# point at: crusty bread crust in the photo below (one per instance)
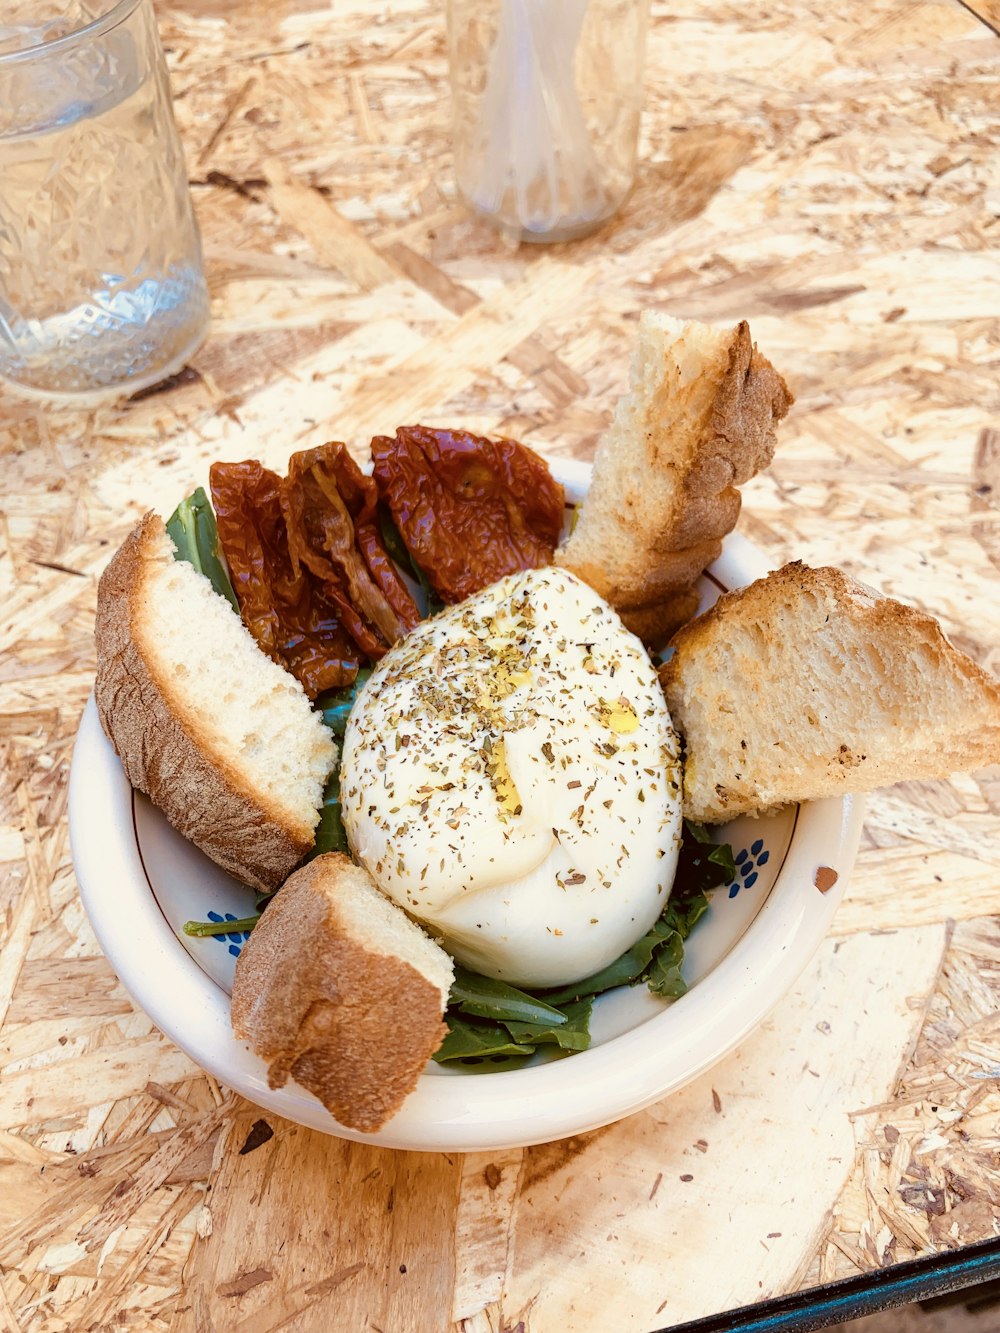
(656, 624)
(160, 747)
(808, 684)
(351, 1023)
(663, 493)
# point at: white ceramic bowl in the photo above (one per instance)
(140, 881)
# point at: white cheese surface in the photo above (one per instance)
(510, 776)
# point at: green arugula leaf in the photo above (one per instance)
(664, 976)
(208, 928)
(485, 997)
(336, 705)
(479, 1042)
(703, 864)
(330, 833)
(193, 530)
(683, 912)
(398, 551)
(573, 1034)
(628, 967)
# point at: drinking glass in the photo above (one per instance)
(546, 101)
(101, 281)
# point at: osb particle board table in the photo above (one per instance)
(829, 173)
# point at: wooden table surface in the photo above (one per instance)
(828, 172)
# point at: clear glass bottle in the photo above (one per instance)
(546, 101)
(101, 281)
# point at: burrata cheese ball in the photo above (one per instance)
(511, 778)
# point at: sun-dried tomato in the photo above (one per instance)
(284, 609)
(470, 510)
(330, 512)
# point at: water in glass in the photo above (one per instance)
(101, 279)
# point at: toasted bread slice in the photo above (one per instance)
(338, 989)
(697, 422)
(655, 624)
(808, 684)
(221, 738)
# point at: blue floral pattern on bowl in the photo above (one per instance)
(749, 861)
(235, 939)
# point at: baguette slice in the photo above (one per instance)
(697, 422)
(808, 684)
(338, 989)
(221, 738)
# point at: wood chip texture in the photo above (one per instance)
(827, 173)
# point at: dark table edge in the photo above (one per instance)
(850, 1298)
